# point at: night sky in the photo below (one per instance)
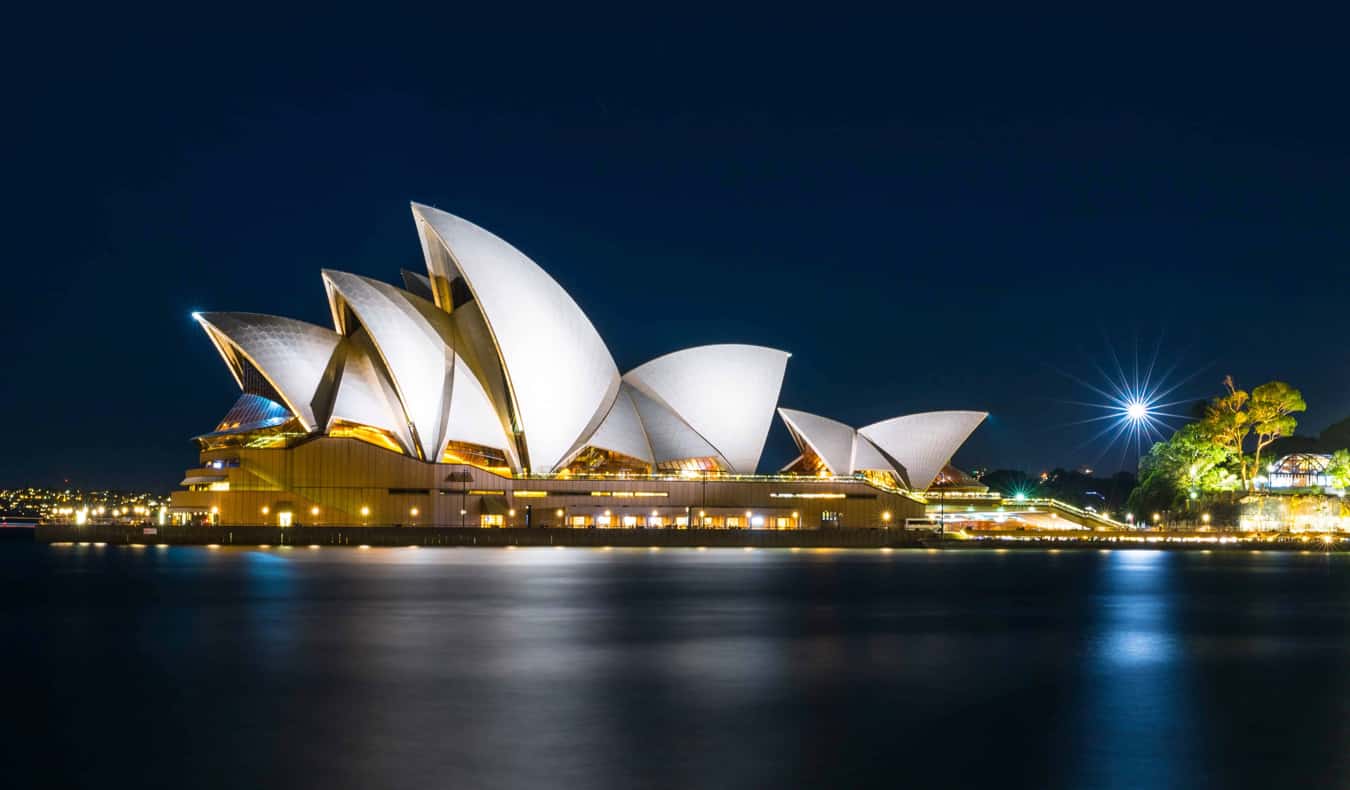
(928, 213)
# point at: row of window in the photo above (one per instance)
(660, 522)
(531, 494)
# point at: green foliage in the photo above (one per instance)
(1154, 492)
(1339, 469)
(1266, 413)
(1227, 424)
(1271, 414)
(1192, 461)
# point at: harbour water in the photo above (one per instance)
(398, 667)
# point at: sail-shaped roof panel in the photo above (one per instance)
(727, 393)
(365, 395)
(622, 430)
(829, 440)
(562, 380)
(923, 443)
(414, 341)
(670, 437)
(290, 355)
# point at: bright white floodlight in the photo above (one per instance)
(1134, 406)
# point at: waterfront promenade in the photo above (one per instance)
(468, 537)
(477, 536)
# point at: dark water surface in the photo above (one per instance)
(191, 667)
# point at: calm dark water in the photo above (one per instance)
(188, 667)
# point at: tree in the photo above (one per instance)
(1190, 461)
(1270, 413)
(1227, 423)
(1339, 469)
(1154, 492)
(1265, 412)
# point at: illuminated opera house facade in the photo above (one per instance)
(479, 394)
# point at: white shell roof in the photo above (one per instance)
(518, 366)
(726, 393)
(365, 396)
(622, 430)
(472, 418)
(562, 378)
(671, 438)
(923, 443)
(916, 446)
(867, 457)
(830, 440)
(415, 341)
(291, 355)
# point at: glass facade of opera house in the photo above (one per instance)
(479, 394)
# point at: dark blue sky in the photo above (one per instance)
(927, 212)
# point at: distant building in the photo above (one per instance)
(1299, 470)
(479, 394)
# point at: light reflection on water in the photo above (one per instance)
(628, 668)
(1130, 690)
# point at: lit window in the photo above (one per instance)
(365, 433)
(491, 521)
(801, 495)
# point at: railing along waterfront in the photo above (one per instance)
(719, 477)
(1068, 508)
(1024, 503)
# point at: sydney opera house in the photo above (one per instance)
(479, 394)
